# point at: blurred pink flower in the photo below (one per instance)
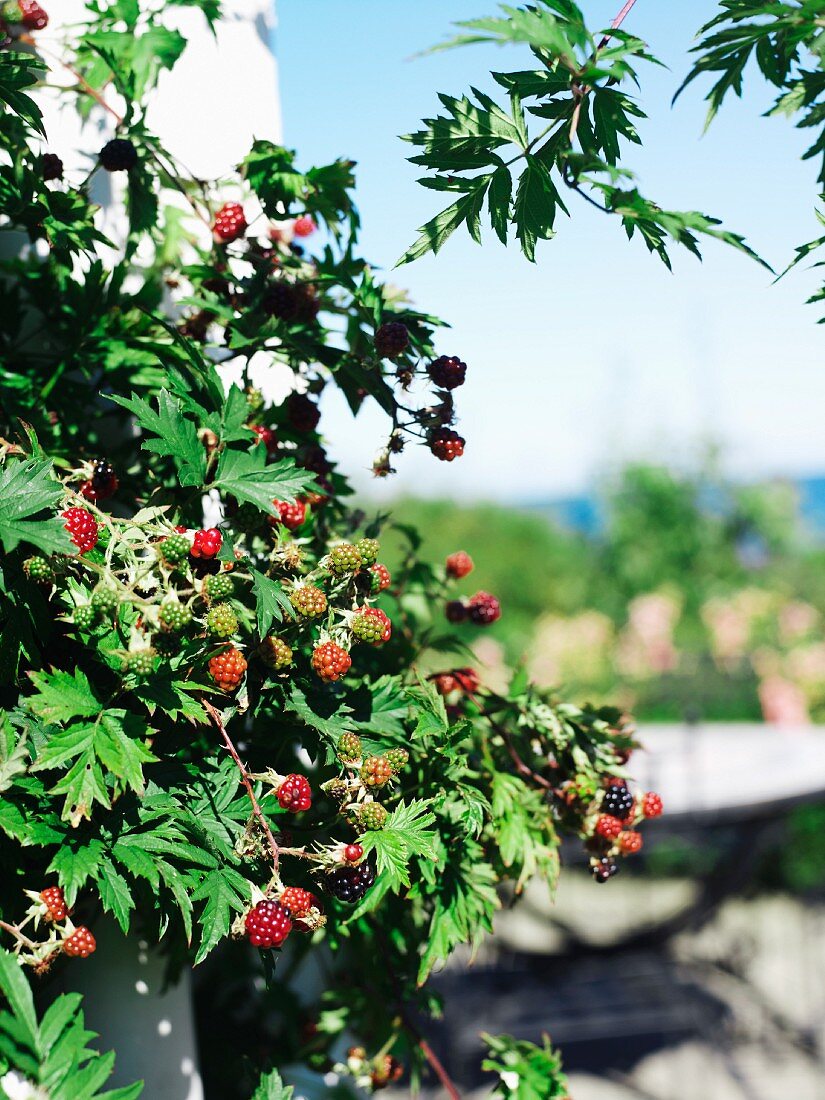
(782, 702)
(796, 619)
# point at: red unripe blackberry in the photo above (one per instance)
(291, 515)
(298, 901)
(350, 884)
(467, 679)
(221, 621)
(227, 668)
(392, 339)
(118, 155)
(369, 550)
(459, 565)
(483, 609)
(630, 842)
(376, 771)
(303, 414)
(652, 805)
(56, 908)
(32, 16)
(349, 747)
(447, 372)
(206, 543)
(267, 437)
(330, 661)
(82, 527)
(456, 611)
(617, 800)
(608, 827)
(268, 924)
(386, 1070)
(344, 559)
(51, 167)
(275, 653)
(353, 852)
(381, 578)
(372, 626)
(80, 944)
(303, 226)
(446, 444)
(397, 758)
(230, 223)
(445, 683)
(218, 586)
(372, 816)
(308, 600)
(295, 794)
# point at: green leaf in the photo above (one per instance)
(407, 833)
(225, 892)
(247, 477)
(178, 436)
(26, 488)
(271, 1087)
(435, 233)
(20, 70)
(115, 895)
(526, 1071)
(62, 696)
(270, 601)
(17, 992)
(14, 753)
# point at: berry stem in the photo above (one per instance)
(247, 782)
(617, 22)
(13, 930)
(521, 767)
(82, 82)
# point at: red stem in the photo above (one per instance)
(247, 782)
(617, 22)
(438, 1069)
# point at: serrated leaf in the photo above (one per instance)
(247, 477)
(26, 488)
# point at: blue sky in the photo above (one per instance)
(595, 354)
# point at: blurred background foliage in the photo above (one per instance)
(687, 598)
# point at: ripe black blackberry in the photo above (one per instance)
(392, 339)
(104, 479)
(604, 869)
(51, 167)
(350, 884)
(447, 372)
(617, 801)
(118, 155)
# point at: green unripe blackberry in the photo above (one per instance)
(38, 569)
(254, 399)
(344, 559)
(373, 816)
(397, 758)
(175, 548)
(308, 600)
(140, 662)
(369, 550)
(218, 586)
(84, 617)
(275, 653)
(221, 621)
(105, 600)
(174, 616)
(349, 747)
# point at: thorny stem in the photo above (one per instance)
(19, 936)
(247, 782)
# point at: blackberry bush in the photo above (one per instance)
(151, 765)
